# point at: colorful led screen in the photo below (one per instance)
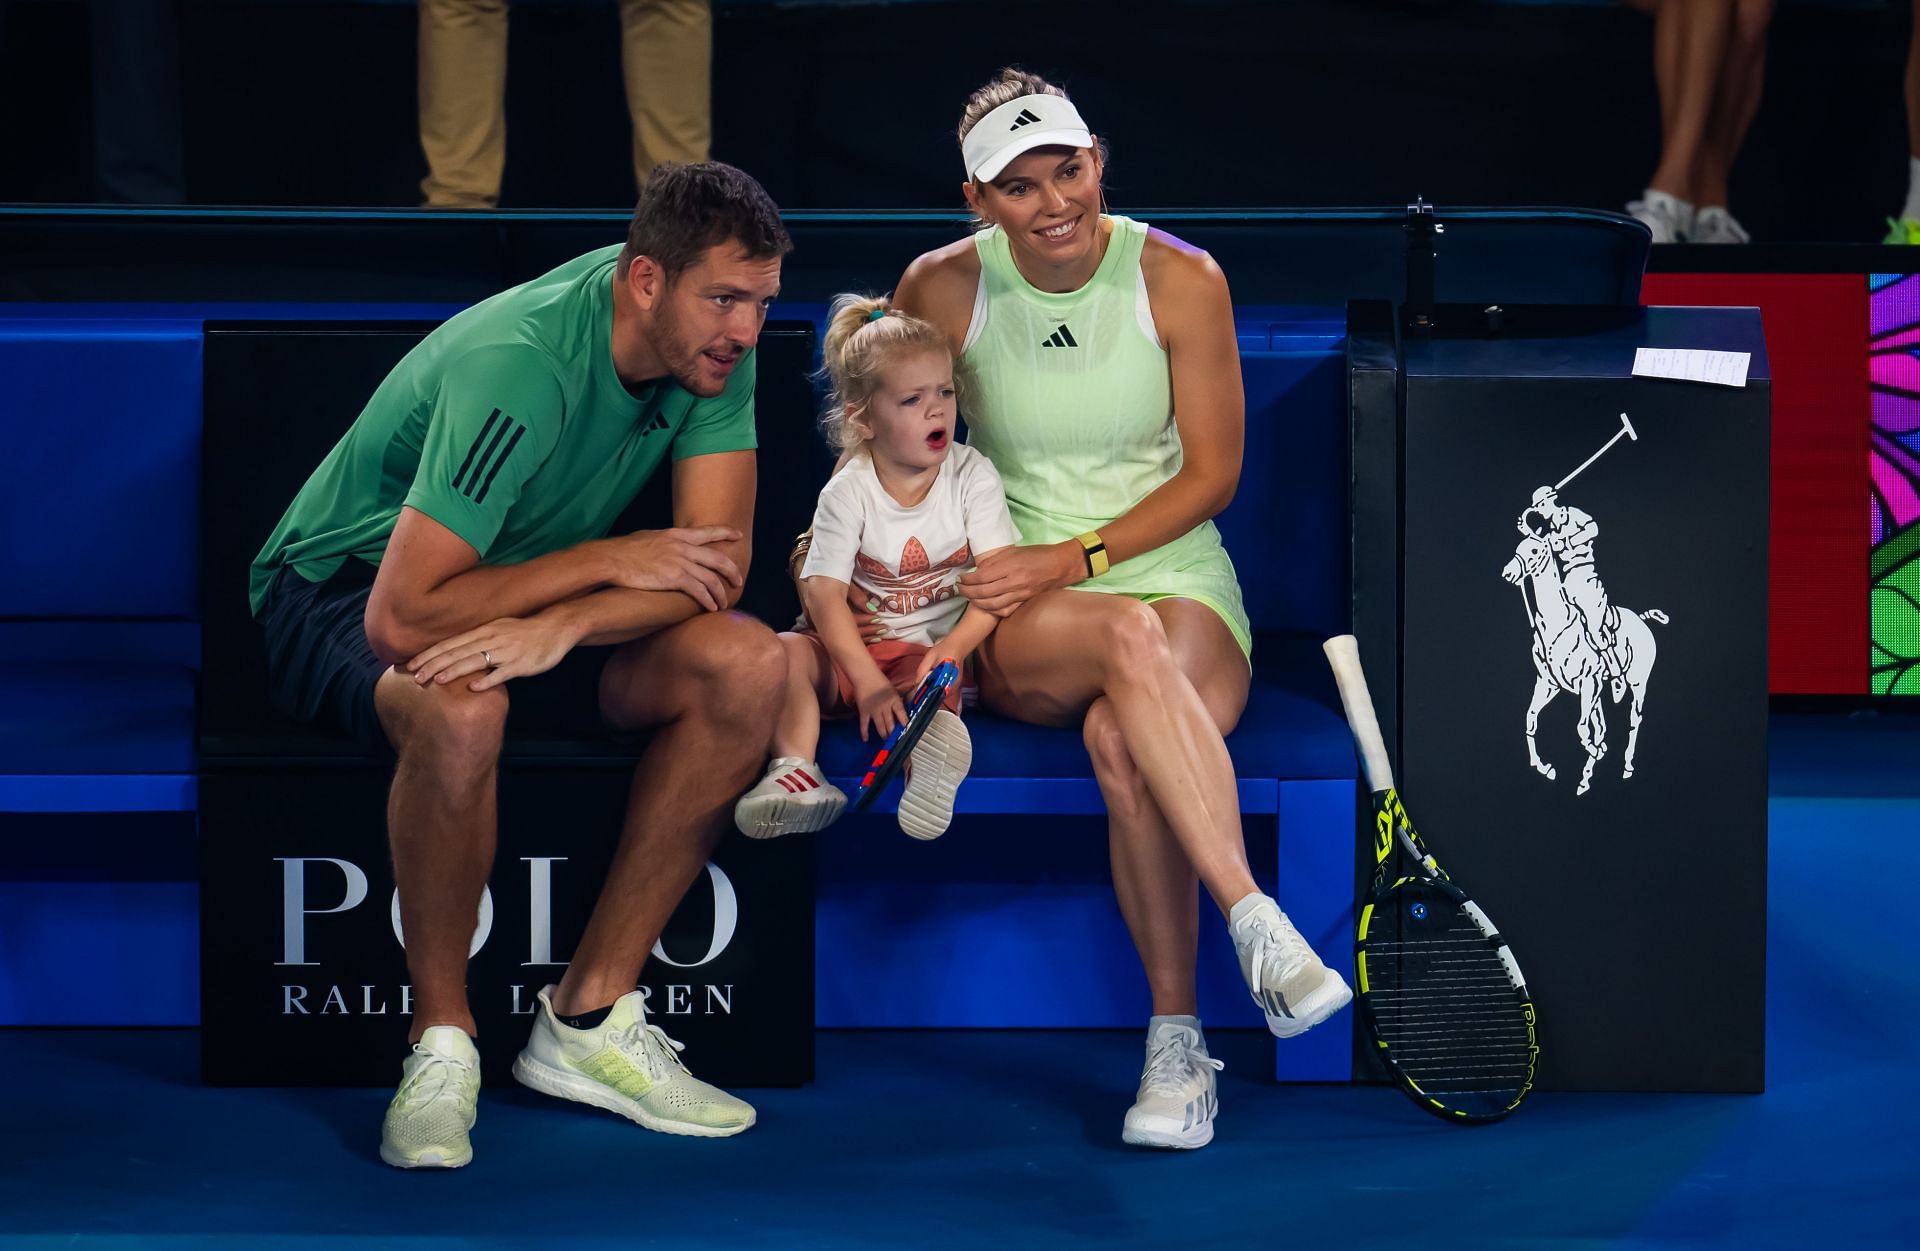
(1895, 467)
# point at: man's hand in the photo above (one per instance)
(880, 706)
(1005, 579)
(512, 647)
(681, 559)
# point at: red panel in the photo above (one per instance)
(1817, 333)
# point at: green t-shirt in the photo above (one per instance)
(508, 426)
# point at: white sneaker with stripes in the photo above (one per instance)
(1292, 985)
(794, 798)
(1177, 1100)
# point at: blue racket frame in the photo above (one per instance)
(893, 753)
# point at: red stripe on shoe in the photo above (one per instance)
(788, 786)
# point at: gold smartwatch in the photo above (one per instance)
(1096, 552)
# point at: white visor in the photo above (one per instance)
(1020, 126)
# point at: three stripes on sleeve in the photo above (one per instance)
(490, 450)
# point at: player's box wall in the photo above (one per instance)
(1611, 816)
(303, 972)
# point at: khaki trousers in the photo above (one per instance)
(666, 51)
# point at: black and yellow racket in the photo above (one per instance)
(1441, 996)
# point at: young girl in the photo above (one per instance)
(906, 513)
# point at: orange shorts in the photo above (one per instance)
(899, 662)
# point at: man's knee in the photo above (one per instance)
(730, 664)
(449, 723)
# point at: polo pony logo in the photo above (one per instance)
(1582, 643)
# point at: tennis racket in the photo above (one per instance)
(893, 753)
(1441, 996)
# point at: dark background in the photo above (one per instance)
(1297, 102)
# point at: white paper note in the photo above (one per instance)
(1725, 369)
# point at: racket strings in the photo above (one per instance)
(1444, 1005)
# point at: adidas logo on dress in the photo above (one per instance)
(1026, 118)
(1060, 338)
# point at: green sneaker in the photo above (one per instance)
(629, 1066)
(1903, 230)
(428, 1120)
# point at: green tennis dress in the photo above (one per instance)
(1070, 395)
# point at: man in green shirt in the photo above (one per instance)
(450, 554)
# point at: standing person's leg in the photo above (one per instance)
(463, 101)
(1689, 47)
(666, 49)
(1735, 104)
(1703, 51)
(1907, 228)
(1666, 61)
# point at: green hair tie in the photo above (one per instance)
(876, 314)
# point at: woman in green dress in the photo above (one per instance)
(1098, 370)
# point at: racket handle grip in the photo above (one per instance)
(1343, 653)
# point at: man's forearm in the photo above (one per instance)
(618, 615)
(411, 623)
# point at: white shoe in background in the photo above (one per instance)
(1714, 224)
(1668, 217)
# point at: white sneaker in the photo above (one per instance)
(1177, 1100)
(1714, 224)
(428, 1120)
(936, 768)
(629, 1066)
(794, 798)
(1668, 217)
(1292, 985)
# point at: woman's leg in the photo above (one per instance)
(1736, 101)
(1704, 28)
(1152, 877)
(1060, 652)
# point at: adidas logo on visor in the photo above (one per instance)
(1060, 338)
(1026, 118)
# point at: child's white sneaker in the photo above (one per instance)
(935, 769)
(794, 798)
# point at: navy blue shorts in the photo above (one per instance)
(321, 668)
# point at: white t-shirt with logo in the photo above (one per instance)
(910, 559)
